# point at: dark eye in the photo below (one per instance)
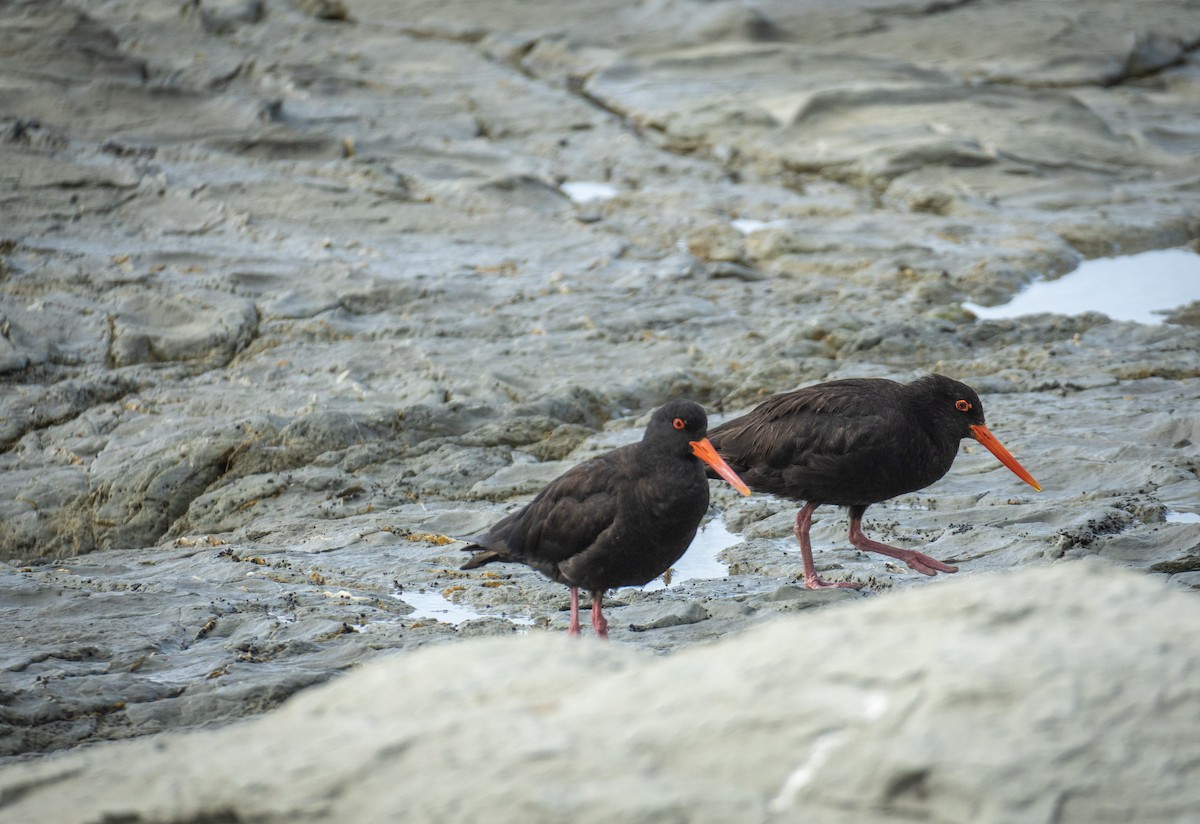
(962, 406)
(678, 423)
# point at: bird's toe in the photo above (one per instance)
(816, 582)
(924, 564)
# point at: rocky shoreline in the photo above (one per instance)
(294, 294)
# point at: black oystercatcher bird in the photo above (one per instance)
(854, 443)
(619, 519)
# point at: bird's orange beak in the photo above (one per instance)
(985, 437)
(704, 450)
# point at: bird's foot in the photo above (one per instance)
(815, 581)
(924, 564)
(918, 561)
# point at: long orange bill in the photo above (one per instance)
(994, 446)
(703, 450)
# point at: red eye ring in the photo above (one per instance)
(678, 423)
(962, 406)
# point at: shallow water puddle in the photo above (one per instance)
(1173, 517)
(700, 560)
(1132, 287)
(434, 606)
(912, 506)
(583, 191)
(748, 226)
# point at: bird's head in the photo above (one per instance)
(685, 423)
(957, 407)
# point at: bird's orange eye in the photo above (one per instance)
(962, 406)
(678, 423)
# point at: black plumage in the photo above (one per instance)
(853, 443)
(619, 519)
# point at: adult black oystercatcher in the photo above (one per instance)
(619, 519)
(854, 443)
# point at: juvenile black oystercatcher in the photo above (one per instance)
(619, 519)
(854, 443)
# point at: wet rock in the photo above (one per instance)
(519, 479)
(140, 486)
(27, 409)
(720, 242)
(50, 332)
(451, 471)
(659, 616)
(150, 329)
(324, 9)
(792, 598)
(226, 16)
(461, 522)
(486, 626)
(50, 517)
(734, 271)
(1187, 563)
(1153, 51)
(54, 41)
(727, 608)
(1187, 315)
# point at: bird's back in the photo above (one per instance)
(843, 442)
(620, 519)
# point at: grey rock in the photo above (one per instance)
(792, 597)
(62, 44)
(206, 327)
(519, 479)
(50, 517)
(226, 16)
(141, 485)
(660, 616)
(324, 9)
(727, 608)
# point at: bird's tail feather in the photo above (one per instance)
(486, 556)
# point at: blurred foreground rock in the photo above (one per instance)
(1067, 694)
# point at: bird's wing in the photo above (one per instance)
(792, 423)
(793, 442)
(566, 517)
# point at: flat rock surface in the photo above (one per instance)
(295, 295)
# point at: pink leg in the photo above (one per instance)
(916, 560)
(599, 623)
(811, 579)
(574, 628)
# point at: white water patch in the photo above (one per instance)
(584, 191)
(700, 560)
(1174, 517)
(434, 606)
(1132, 287)
(915, 506)
(749, 226)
